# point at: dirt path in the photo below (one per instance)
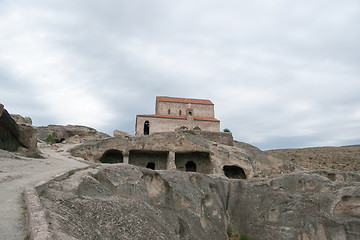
(16, 173)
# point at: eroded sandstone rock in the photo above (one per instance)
(62, 133)
(17, 137)
(127, 202)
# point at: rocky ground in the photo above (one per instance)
(346, 158)
(122, 201)
(18, 172)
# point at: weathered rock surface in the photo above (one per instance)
(21, 120)
(16, 137)
(253, 161)
(127, 202)
(62, 133)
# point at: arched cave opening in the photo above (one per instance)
(190, 166)
(151, 165)
(112, 156)
(234, 172)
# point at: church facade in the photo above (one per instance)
(173, 113)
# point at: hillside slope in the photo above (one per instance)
(346, 158)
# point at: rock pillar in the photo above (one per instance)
(170, 165)
(126, 157)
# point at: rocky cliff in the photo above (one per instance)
(17, 136)
(122, 201)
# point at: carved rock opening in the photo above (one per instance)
(112, 156)
(234, 172)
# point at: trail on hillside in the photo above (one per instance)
(17, 173)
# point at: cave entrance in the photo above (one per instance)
(146, 128)
(112, 156)
(234, 172)
(190, 166)
(149, 159)
(151, 165)
(193, 162)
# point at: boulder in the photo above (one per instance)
(62, 133)
(17, 137)
(118, 133)
(21, 120)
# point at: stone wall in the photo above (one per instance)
(158, 124)
(219, 137)
(143, 158)
(198, 110)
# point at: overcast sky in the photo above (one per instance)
(282, 74)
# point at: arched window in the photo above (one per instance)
(146, 128)
(179, 112)
(169, 111)
(183, 128)
(197, 128)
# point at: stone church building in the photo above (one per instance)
(173, 113)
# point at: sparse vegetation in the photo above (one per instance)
(50, 139)
(244, 236)
(227, 130)
(234, 236)
(229, 231)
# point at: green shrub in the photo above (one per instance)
(244, 236)
(51, 139)
(227, 130)
(229, 231)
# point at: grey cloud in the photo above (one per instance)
(281, 74)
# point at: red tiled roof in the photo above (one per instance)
(206, 119)
(179, 117)
(183, 100)
(163, 116)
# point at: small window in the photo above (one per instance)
(179, 112)
(169, 111)
(197, 128)
(190, 113)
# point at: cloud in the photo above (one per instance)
(281, 74)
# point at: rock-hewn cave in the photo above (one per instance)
(151, 165)
(193, 162)
(144, 158)
(190, 166)
(112, 156)
(234, 172)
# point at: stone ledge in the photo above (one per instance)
(36, 223)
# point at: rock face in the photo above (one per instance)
(128, 202)
(21, 120)
(17, 137)
(177, 150)
(62, 133)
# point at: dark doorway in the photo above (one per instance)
(146, 128)
(151, 165)
(234, 172)
(149, 159)
(190, 166)
(112, 156)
